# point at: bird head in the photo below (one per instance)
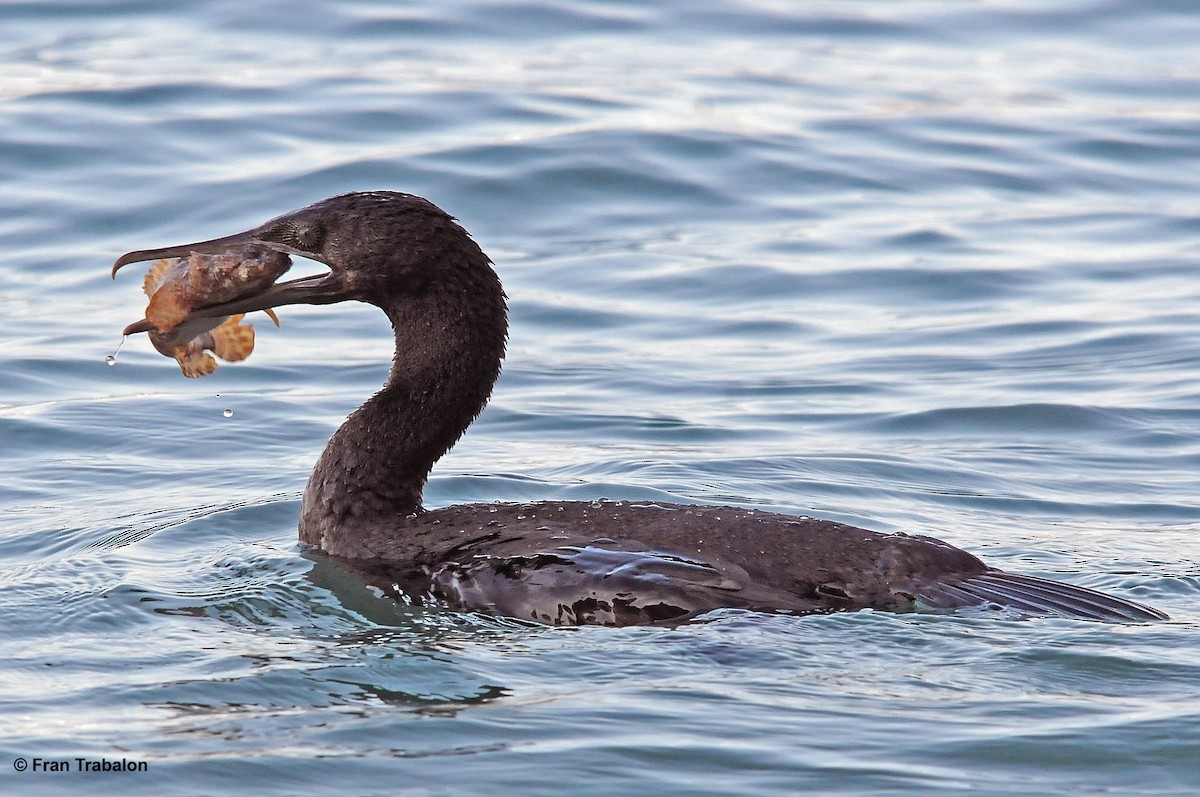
(376, 244)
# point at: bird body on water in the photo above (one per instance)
(601, 562)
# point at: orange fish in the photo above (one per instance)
(178, 286)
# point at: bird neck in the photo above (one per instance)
(449, 345)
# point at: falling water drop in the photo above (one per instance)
(112, 358)
(228, 413)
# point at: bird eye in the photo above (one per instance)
(299, 236)
(307, 236)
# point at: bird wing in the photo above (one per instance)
(590, 585)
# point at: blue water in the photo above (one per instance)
(921, 266)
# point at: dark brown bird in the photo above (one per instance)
(555, 562)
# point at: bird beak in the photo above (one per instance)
(318, 289)
(213, 247)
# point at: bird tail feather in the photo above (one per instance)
(1038, 596)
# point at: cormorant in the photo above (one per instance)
(556, 562)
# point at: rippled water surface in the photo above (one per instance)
(919, 266)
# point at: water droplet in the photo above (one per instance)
(112, 358)
(228, 413)
(218, 395)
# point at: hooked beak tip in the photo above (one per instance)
(138, 256)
